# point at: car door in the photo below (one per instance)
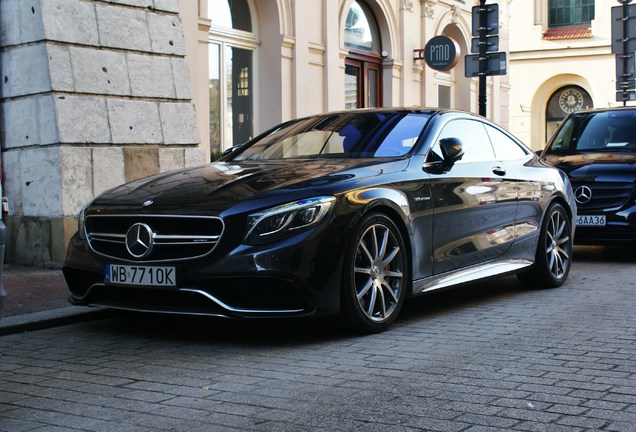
(514, 157)
(474, 201)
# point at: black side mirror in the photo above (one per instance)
(452, 150)
(227, 151)
(231, 149)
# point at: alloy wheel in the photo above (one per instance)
(558, 245)
(378, 272)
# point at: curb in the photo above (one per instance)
(50, 318)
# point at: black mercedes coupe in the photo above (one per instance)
(346, 213)
(597, 150)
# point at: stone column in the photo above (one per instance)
(94, 93)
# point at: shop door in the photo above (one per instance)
(242, 94)
(363, 82)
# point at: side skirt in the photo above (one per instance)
(471, 274)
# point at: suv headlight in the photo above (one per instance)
(80, 222)
(287, 219)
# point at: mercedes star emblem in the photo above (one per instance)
(583, 194)
(139, 240)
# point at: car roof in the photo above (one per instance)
(415, 109)
(432, 111)
(606, 109)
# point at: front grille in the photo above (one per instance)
(175, 237)
(609, 234)
(606, 195)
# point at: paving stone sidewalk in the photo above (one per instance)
(491, 357)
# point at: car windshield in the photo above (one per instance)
(606, 131)
(351, 135)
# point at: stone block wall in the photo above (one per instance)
(94, 93)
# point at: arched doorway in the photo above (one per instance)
(363, 64)
(564, 101)
(232, 44)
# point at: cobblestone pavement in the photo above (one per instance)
(492, 357)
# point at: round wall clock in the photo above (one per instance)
(571, 100)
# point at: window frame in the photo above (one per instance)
(367, 61)
(572, 9)
(225, 38)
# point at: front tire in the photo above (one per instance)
(554, 251)
(375, 275)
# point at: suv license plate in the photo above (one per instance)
(590, 220)
(140, 275)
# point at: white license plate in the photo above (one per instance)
(140, 275)
(590, 220)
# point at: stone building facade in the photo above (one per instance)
(99, 92)
(94, 93)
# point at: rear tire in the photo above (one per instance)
(375, 275)
(554, 250)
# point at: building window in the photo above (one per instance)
(230, 14)
(564, 13)
(361, 29)
(363, 65)
(231, 75)
(444, 96)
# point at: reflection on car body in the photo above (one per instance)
(597, 149)
(4, 209)
(349, 212)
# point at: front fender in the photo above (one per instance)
(365, 199)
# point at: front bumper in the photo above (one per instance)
(298, 276)
(620, 229)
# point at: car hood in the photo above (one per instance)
(595, 166)
(220, 185)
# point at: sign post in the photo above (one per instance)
(485, 61)
(483, 64)
(624, 46)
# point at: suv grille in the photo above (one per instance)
(174, 237)
(606, 195)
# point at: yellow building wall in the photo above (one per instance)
(539, 67)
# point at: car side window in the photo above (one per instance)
(505, 147)
(474, 139)
(403, 136)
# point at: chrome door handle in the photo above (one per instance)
(500, 171)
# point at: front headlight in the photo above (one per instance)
(287, 219)
(80, 222)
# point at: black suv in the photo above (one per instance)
(597, 149)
